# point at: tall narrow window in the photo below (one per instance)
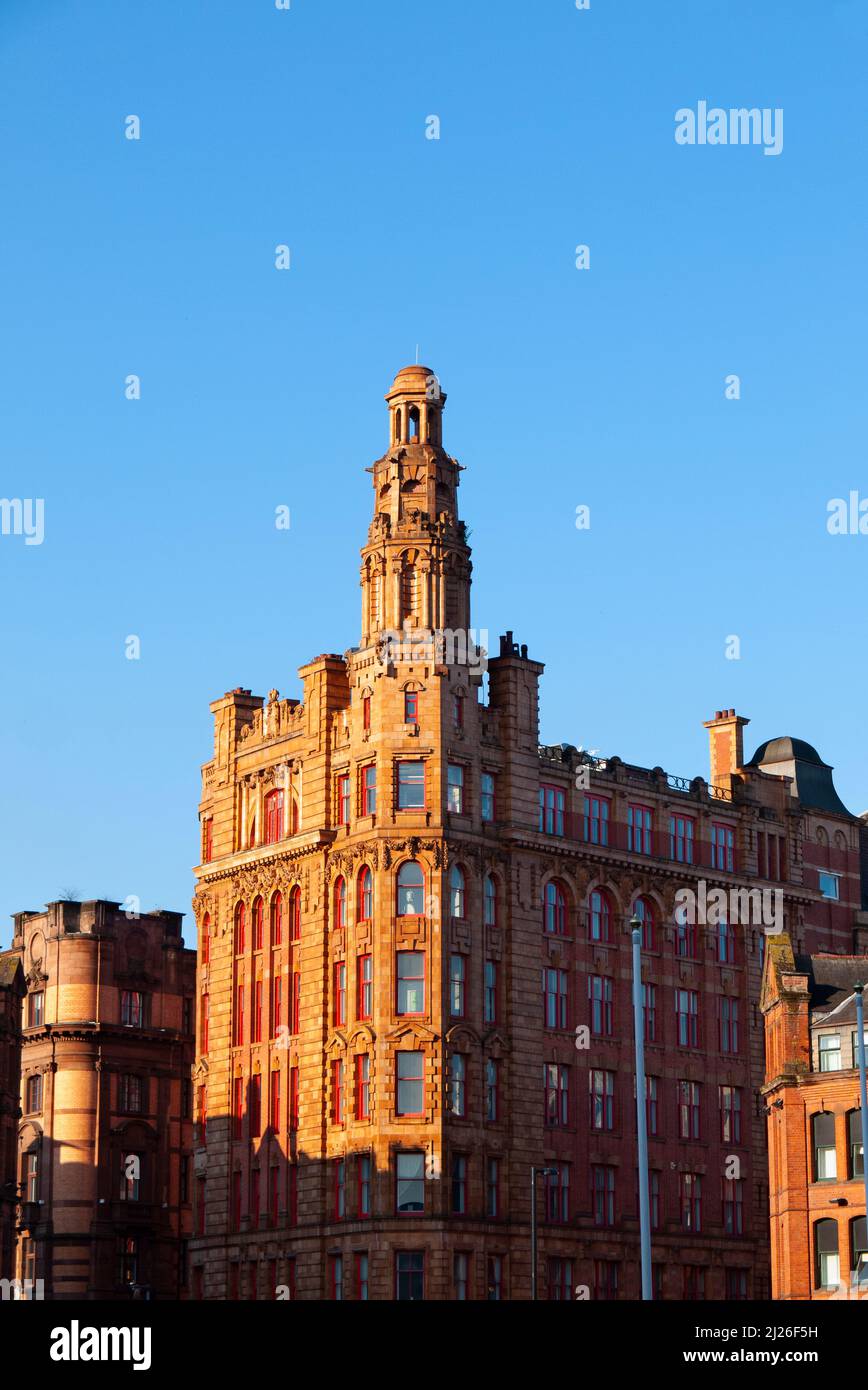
(295, 914)
(557, 1090)
(490, 901)
(274, 1101)
(730, 1114)
(551, 810)
(363, 1086)
(366, 895)
(365, 986)
(240, 924)
(459, 1184)
(555, 997)
(257, 924)
(132, 1008)
(639, 829)
(256, 1030)
(364, 1180)
(340, 994)
(340, 902)
(410, 976)
(274, 816)
(603, 1194)
(681, 839)
(411, 890)
(456, 891)
(596, 823)
(600, 992)
(366, 713)
(489, 992)
(827, 1259)
(854, 1144)
(689, 1110)
(555, 909)
(208, 840)
(600, 917)
(276, 920)
(457, 985)
(276, 996)
(729, 1039)
(722, 847)
(411, 786)
(602, 1095)
(344, 800)
(410, 1276)
(492, 1187)
(643, 908)
(687, 1017)
(411, 707)
(254, 1105)
(486, 796)
(411, 1087)
(458, 1084)
(409, 1183)
(492, 1090)
(369, 790)
(825, 1157)
(455, 789)
(338, 1092)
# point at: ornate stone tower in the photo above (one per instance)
(416, 564)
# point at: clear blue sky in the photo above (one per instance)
(262, 387)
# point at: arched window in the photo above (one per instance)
(414, 425)
(411, 889)
(295, 914)
(257, 924)
(206, 938)
(643, 908)
(365, 907)
(490, 901)
(555, 908)
(827, 1263)
(456, 891)
(340, 901)
(276, 920)
(240, 928)
(600, 916)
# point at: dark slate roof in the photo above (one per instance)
(9, 967)
(812, 778)
(831, 980)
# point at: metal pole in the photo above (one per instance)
(641, 1115)
(863, 1096)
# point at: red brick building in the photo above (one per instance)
(816, 1162)
(414, 965)
(104, 1139)
(11, 991)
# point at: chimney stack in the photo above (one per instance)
(726, 745)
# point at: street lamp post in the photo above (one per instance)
(863, 1091)
(534, 1174)
(641, 1112)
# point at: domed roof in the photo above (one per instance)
(786, 750)
(410, 378)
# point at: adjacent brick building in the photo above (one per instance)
(11, 991)
(104, 1141)
(818, 1238)
(406, 910)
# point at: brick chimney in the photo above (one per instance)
(725, 745)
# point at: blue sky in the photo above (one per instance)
(259, 387)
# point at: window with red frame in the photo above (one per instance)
(364, 986)
(208, 840)
(254, 1105)
(295, 914)
(455, 789)
(365, 906)
(240, 926)
(236, 1201)
(254, 1199)
(600, 992)
(643, 908)
(457, 985)
(555, 998)
(340, 994)
(690, 1201)
(369, 790)
(256, 1033)
(653, 1199)
(410, 890)
(411, 785)
(489, 901)
(492, 1187)
(639, 825)
(366, 713)
(556, 1083)
(458, 1189)
(649, 1012)
(363, 1086)
(730, 1114)
(295, 1001)
(205, 1021)
(486, 796)
(457, 892)
(722, 847)
(276, 996)
(689, 1095)
(729, 1024)
(557, 1193)
(274, 816)
(552, 801)
(200, 1206)
(203, 1113)
(559, 1281)
(685, 934)
(339, 898)
(409, 1183)
(338, 1092)
(554, 909)
(458, 711)
(410, 982)
(603, 1194)
(492, 1089)
(681, 836)
(293, 1098)
(596, 820)
(411, 707)
(344, 799)
(340, 1207)
(363, 1174)
(361, 1264)
(410, 1068)
(687, 1017)
(725, 943)
(238, 1031)
(457, 1101)
(206, 938)
(489, 992)
(274, 1101)
(494, 1269)
(733, 1206)
(652, 1090)
(276, 915)
(599, 916)
(410, 1276)
(336, 1278)
(601, 1089)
